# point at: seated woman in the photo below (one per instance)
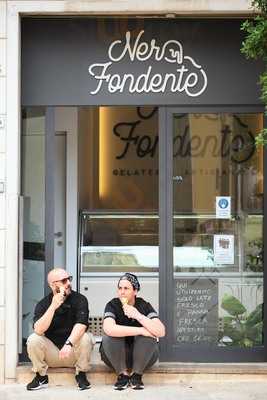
(131, 327)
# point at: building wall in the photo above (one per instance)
(2, 181)
(10, 129)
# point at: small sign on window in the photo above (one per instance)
(223, 248)
(223, 207)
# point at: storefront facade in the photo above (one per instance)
(135, 152)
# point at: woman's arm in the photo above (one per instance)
(112, 329)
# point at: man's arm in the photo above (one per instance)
(77, 331)
(79, 328)
(112, 329)
(43, 323)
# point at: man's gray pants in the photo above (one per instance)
(129, 353)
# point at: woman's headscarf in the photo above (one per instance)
(132, 279)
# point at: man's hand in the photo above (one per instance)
(131, 312)
(58, 299)
(65, 351)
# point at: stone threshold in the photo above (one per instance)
(252, 368)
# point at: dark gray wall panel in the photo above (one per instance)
(57, 52)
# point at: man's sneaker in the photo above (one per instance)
(38, 382)
(82, 381)
(122, 382)
(136, 381)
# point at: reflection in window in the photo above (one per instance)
(118, 171)
(215, 155)
(119, 243)
(118, 158)
(218, 303)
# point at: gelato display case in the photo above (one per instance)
(110, 243)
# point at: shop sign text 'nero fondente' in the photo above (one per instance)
(187, 75)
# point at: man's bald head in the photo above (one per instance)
(59, 279)
(56, 274)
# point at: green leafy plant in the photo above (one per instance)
(255, 47)
(241, 328)
(254, 256)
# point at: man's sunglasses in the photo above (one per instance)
(65, 280)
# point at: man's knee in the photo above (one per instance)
(87, 341)
(35, 340)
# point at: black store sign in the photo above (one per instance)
(86, 61)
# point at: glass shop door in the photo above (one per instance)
(211, 236)
(42, 210)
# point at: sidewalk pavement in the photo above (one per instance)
(188, 388)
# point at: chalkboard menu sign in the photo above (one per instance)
(196, 310)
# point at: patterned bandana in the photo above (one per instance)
(132, 279)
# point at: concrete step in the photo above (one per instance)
(163, 373)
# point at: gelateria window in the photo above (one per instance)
(217, 222)
(118, 189)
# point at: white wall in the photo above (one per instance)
(10, 128)
(2, 181)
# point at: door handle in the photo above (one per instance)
(58, 234)
(177, 178)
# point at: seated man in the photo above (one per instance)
(131, 327)
(60, 338)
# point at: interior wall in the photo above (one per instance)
(88, 157)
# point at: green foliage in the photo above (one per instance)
(261, 138)
(241, 329)
(255, 46)
(255, 316)
(254, 257)
(232, 305)
(260, 5)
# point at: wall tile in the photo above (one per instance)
(2, 210)
(2, 325)
(2, 57)
(2, 167)
(3, 19)
(2, 95)
(2, 364)
(2, 247)
(2, 286)
(2, 133)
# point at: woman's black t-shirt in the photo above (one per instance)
(114, 310)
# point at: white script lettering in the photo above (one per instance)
(189, 77)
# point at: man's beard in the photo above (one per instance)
(68, 291)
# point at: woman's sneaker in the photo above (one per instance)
(122, 382)
(38, 382)
(136, 382)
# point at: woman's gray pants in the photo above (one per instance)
(136, 353)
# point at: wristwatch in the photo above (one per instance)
(68, 343)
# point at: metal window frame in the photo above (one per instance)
(49, 192)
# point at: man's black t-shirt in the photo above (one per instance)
(73, 311)
(114, 310)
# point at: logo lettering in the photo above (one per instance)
(187, 76)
